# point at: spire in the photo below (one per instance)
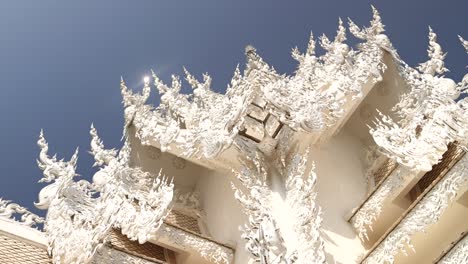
(101, 155)
(339, 38)
(176, 85)
(235, 82)
(464, 42)
(194, 83)
(51, 167)
(162, 88)
(376, 27)
(252, 58)
(311, 45)
(435, 64)
(146, 89)
(298, 56)
(341, 32)
(126, 94)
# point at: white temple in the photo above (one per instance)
(357, 157)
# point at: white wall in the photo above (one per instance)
(223, 212)
(341, 187)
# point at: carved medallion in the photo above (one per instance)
(153, 153)
(383, 89)
(179, 163)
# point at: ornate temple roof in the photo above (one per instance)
(261, 132)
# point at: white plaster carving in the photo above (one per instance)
(427, 212)
(80, 214)
(153, 152)
(188, 202)
(186, 241)
(179, 163)
(430, 116)
(278, 192)
(370, 211)
(9, 210)
(206, 123)
(458, 254)
(106, 255)
(464, 43)
(284, 220)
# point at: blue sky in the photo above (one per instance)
(61, 61)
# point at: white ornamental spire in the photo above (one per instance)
(80, 214)
(464, 42)
(11, 211)
(375, 29)
(435, 64)
(282, 228)
(430, 116)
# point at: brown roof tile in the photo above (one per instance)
(14, 251)
(148, 251)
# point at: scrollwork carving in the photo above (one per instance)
(427, 212)
(371, 210)
(270, 238)
(205, 123)
(80, 214)
(209, 250)
(9, 210)
(458, 254)
(430, 115)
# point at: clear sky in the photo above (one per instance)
(61, 61)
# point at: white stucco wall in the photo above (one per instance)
(223, 212)
(341, 187)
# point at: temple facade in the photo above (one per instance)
(356, 157)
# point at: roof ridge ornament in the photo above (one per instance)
(206, 123)
(430, 115)
(435, 64)
(80, 214)
(9, 210)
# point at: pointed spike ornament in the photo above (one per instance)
(435, 64)
(162, 88)
(374, 33)
(78, 222)
(377, 27)
(235, 82)
(339, 38)
(464, 42)
(314, 100)
(101, 155)
(341, 32)
(194, 83)
(430, 116)
(205, 123)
